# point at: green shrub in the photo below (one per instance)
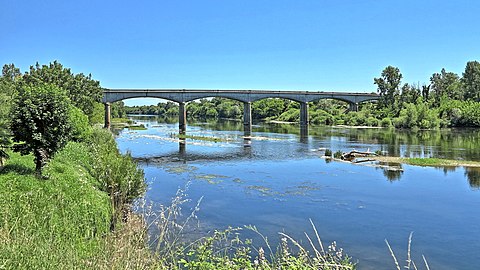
(117, 174)
(81, 128)
(40, 122)
(386, 122)
(372, 121)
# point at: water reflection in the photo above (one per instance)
(446, 143)
(473, 176)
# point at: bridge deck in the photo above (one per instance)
(185, 95)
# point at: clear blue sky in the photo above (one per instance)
(336, 45)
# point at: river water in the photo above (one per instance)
(277, 181)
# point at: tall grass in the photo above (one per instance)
(49, 224)
(62, 222)
(221, 249)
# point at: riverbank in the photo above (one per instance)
(430, 162)
(65, 220)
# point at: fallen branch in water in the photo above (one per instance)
(354, 154)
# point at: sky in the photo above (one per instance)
(317, 45)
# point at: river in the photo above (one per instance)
(278, 181)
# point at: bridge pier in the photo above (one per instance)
(303, 114)
(182, 118)
(107, 114)
(247, 118)
(353, 107)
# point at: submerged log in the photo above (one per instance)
(354, 154)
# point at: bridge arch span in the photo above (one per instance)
(181, 96)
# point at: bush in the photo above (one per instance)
(117, 174)
(328, 153)
(40, 122)
(386, 122)
(372, 121)
(81, 129)
(338, 154)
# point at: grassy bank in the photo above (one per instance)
(54, 223)
(433, 162)
(64, 221)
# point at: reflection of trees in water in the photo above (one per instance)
(473, 176)
(392, 174)
(447, 169)
(392, 171)
(449, 143)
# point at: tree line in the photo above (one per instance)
(449, 100)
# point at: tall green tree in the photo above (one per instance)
(388, 86)
(471, 80)
(445, 84)
(40, 121)
(10, 74)
(82, 90)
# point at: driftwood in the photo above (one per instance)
(364, 160)
(354, 154)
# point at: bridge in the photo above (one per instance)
(182, 96)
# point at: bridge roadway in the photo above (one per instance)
(182, 96)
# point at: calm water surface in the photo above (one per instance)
(279, 181)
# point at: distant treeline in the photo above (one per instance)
(449, 100)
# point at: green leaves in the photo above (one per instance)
(40, 121)
(82, 90)
(388, 86)
(471, 80)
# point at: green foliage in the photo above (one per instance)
(54, 224)
(386, 122)
(10, 74)
(328, 152)
(83, 91)
(338, 154)
(225, 250)
(321, 117)
(471, 80)
(460, 113)
(268, 108)
(98, 114)
(118, 110)
(417, 116)
(163, 108)
(290, 115)
(388, 86)
(118, 174)
(81, 129)
(40, 121)
(372, 121)
(445, 84)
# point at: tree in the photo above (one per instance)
(10, 74)
(388, 86)
(410, 93)
(471, 80)
(445, 84)
(82, 90)
(40, 122)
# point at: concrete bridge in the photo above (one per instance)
(182, 96)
